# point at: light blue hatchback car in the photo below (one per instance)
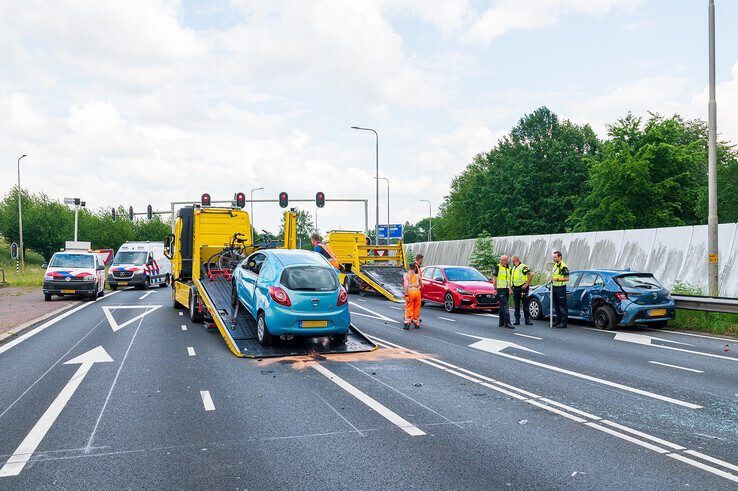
(292, 293)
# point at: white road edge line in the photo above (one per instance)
(207, 401)
(446, 319)
(184, 328)
(191, 351)
(527, 336)
(5, 347)
(376, 314)
(534, 399)
(676, 366)
(387, 413)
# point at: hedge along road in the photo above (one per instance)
(125, 391)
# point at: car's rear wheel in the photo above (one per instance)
(262, 331)
(605, 318)
(448, 303)
(535, 310)
(339, 339)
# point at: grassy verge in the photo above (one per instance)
(33, 275)
(709, 322)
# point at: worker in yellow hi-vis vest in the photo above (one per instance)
(559, 279)
(502, 281)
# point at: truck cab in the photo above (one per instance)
(74, 272)
(141, 265)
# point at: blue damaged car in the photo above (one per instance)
(292, 293)
(610, 298)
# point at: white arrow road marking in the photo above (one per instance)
(496, 346)
(25, 450)
(145, 295)
(673, 450)
(376, 315)
(387, 413)
(5, 347)
(114, 324)
(646, 341)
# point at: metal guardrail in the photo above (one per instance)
(707, 304)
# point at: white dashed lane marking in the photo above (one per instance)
(191, 351)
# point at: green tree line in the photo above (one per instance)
(47, 224)
(549, 175)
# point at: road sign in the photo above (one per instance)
(395, 231)
(14, 250)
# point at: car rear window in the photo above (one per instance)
(639, 281)
(310, 278)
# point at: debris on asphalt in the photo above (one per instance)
(418, 384)
(522, 421)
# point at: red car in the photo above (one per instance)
(458, 287)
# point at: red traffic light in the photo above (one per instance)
(283, 200)
(205, 199)
(320, 199)
(240, 200)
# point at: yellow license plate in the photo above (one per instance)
(122, 283)
(657, 312)
(69, 291)
(313, 323)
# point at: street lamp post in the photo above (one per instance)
(20, 218)
(713, 269)
(376, 223)
(388, 208)
(430, 218)
(251, 214)
(77, 202)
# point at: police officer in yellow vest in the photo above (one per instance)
(521, 278)
(502, 281)
(559, 277)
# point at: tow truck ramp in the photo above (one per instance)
(240, 336)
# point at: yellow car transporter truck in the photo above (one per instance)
(369, 267)
(207, 243)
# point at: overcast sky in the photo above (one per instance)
(137, 102)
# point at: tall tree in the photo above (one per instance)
(527, 184)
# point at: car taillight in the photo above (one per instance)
(342, 297)
(280, 296)
(621, 296)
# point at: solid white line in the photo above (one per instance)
(676, 366)
(526, 335)
(145, 295)
(207, 401)
(702, 456)
(627, 437)
(571, 409)
(184, 328)
(372, 317)
(704, 467)
(387, 413)
(5, 347)
(718, 338)
(376, 314)
(643, 435)
(695, 352)
(396, 308)
(488, 315)
(23, 453)
(446, 319)
(556, 411)
(191, 351)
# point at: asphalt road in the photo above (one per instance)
(161, 403)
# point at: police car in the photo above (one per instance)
(74, 272)
(140, 264)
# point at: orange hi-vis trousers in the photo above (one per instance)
(412, 306)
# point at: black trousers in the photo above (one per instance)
(560, 307)
(520, 296)
(504, 295)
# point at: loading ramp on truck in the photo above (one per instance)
(240, 336)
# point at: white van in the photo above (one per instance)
(74, 272)
(140, 264)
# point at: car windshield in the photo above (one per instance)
(71, 261)
(310, 278)
(464, 274)
(642, 281)
(130, 257)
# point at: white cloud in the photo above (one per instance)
(507, 15)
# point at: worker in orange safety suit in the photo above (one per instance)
(412, 285)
